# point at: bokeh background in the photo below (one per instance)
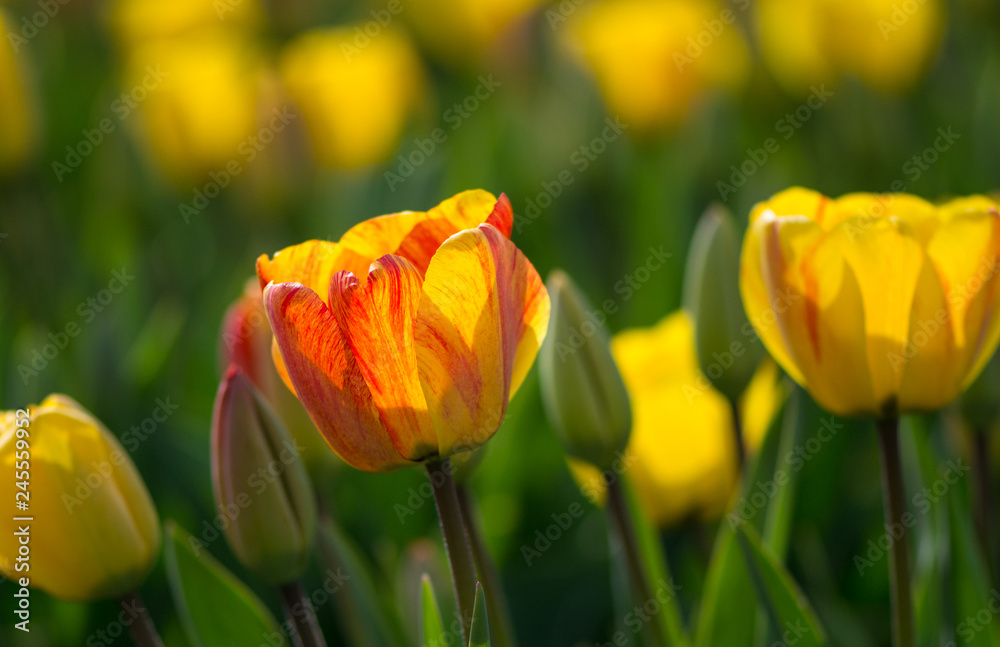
(174, 141)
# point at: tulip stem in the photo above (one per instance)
(622, 518)
(899, 551)
(741, 448)
(142, 628)
(456, 541)
(300, 614)
(983, 495)
(501, 625)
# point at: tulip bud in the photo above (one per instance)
(726, 355)
(584, 395)
(93, 532)
(261, 486)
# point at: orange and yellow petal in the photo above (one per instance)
(483, 307)
(376, 320)
(327, 379)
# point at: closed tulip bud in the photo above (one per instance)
(726, 356)
(584, 395)
(93, 532)
(260, 483)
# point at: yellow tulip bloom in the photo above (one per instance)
(876, 304)
(18, 124)
(136, 22)
(681, 455)
(199, 102)
(654, 59)
(885, 43)
(460, 32)
(355, 100)
(95, 533)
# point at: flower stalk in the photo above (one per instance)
(899, 552)
(299, 612)
(142, 628)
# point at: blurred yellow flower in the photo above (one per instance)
(682, 453)
(355, 96)
(139, 21)
(460, 32)
(886, 43)
(653, 59)
(202, 110)
(876, 304)
(18, 124)
(95, 533)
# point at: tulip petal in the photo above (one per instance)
(377, 321)
(819, 312)
(481, 319)
(329, 382)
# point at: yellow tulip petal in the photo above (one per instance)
(483, 303)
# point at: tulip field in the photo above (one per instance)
(499, 323)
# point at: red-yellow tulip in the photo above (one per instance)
(877, 304)
(405, 339)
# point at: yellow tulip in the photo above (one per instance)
(876, 304)
(460, 32)
(199, 108)
(136, 22)
(681, 455)
(886, 43)
(18, 124)
(95, 533)
(355, 100)
(653, 59)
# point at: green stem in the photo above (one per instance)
(899, 551)
(741, 447)
(142, 628)
(501, 625)
(299, 612)
(983, 495)
(456, 541)
(622, 518)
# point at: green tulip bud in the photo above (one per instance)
(260, 483)
(727, 354)
(585, 397)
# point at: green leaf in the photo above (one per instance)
(726, 617)
(797, 414)
(364, 619)
(786, 607)
(433, 629)
(479, 631)
(216, 608)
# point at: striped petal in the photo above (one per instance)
(377, 322)
(328, 380)
(481, 319)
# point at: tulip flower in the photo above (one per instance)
(18, 125)
(136, 22)
(355, 98)
(94, 533)
(687, 467)
(406, 339)
(878, 305)
(808, 42)
(583, 392)
(646, 57)
(461, 32)
(245, 341)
